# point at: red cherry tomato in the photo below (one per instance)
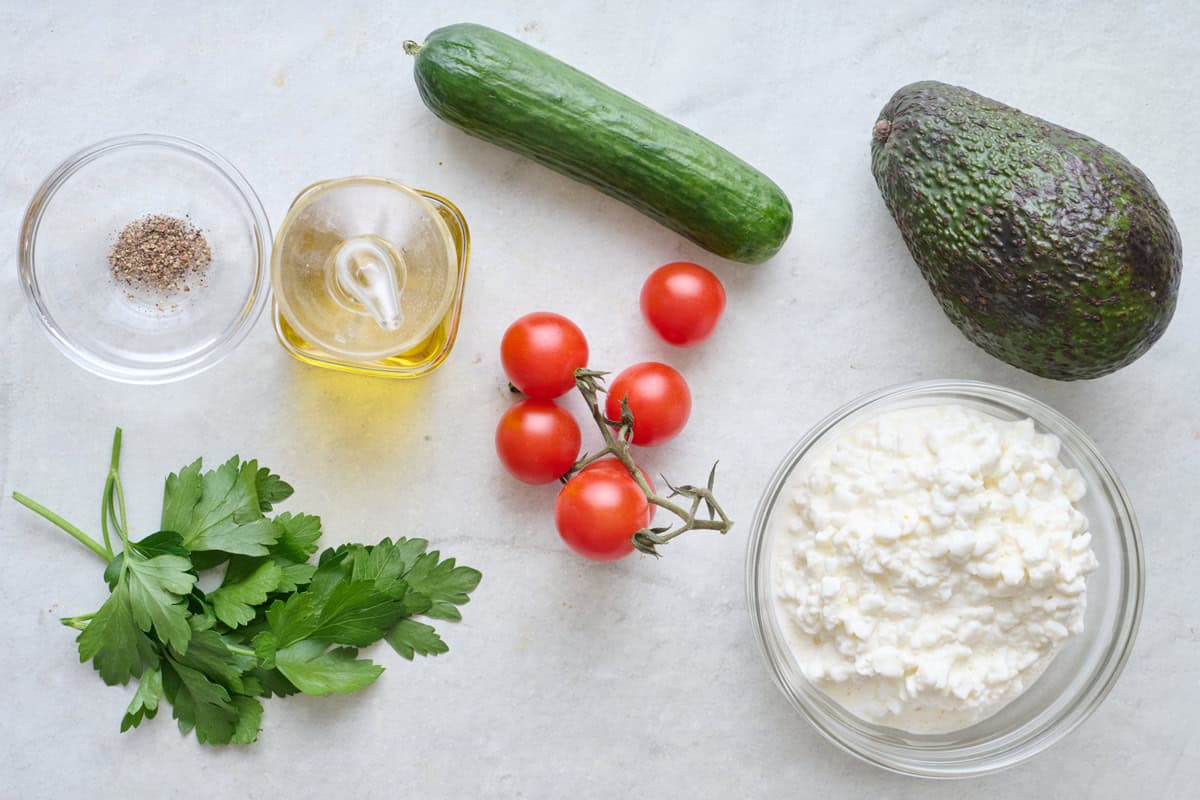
(540, 353)
(597, 513)
(683, 302)
(658, 397)
(615, 467)
(537, 441)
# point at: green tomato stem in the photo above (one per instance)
(76, 533)
(587, 382)
(587, 460)
(590, 384)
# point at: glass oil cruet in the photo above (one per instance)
(368, 277)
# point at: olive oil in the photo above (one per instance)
(369, 277)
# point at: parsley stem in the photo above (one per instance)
(240, 651)
(113, 483)
(78, 622)
(122, 526)
(113, 488)
(76, 533)
(105, 501)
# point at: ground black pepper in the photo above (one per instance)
(161, 253)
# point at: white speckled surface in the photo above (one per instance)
(568, 679)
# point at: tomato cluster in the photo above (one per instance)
(600, 508)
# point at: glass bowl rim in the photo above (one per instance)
(81, 355)
(907, 761)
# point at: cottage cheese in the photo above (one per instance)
(929, 564)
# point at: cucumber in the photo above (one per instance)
(503, 91)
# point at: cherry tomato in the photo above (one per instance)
(540, 353)
(658, 397)
(615, 467)
(682, 302)
(597, 513)
(537, 441)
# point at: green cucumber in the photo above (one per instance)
(504, 91)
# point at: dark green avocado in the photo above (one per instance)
(1046, 248)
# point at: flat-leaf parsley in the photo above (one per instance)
(276, 624)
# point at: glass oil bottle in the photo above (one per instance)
(368, 277)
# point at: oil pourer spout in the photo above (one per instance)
(369, 270)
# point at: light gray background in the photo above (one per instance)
(567, 678)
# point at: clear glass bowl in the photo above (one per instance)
(130, 334)
(1078, 678)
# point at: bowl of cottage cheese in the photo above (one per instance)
(946, 577)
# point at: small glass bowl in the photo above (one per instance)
(120, 331)
(1078, 678)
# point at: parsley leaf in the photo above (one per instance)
(408, 637)
(293, 575)
(249, 720)
(114, 643)
(290, 621)
(357, 614)
(352, 613)
(446, 584)
(298, 534)
(158, 580)
(199, 703)
(422, 581)
(313, 670)
(202, 617)
(144, 704)
(180, 496)
(386, 561)
(151, 581)
(271, 682)
(206, 686)
(246, 585)
(219, 509)
(270, 488)
(210, 655)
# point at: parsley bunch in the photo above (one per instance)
(277, 624)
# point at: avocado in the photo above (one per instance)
(1046, 248)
